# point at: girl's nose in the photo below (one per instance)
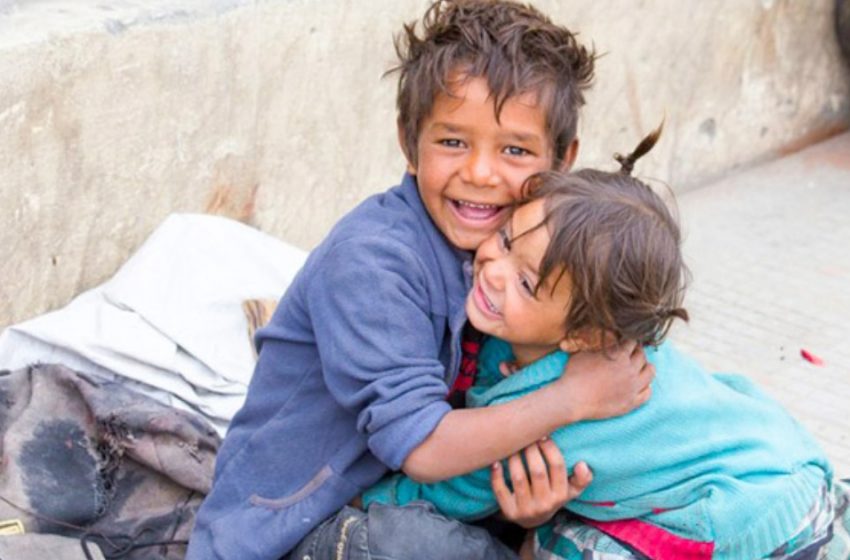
(494, 273)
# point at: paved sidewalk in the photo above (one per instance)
(769, 249)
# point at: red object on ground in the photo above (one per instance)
(809, 357)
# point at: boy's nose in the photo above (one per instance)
(480, 170)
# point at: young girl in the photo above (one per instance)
(710, 467)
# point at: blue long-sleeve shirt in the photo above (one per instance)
(352, 376)
(709, 458)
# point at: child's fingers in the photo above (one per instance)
(634, 349)
(505, 369)
(557, 468)
(504, 497)
(537, 471)
(519, 479)
(643, 396)
(647, 373)
(581, 478)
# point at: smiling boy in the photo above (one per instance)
(358, 359)
(469, 167)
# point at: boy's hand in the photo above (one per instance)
(539, 493)
(604, 384)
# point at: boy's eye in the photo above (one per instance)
(504, 240)
(451, 142)
(516, 151)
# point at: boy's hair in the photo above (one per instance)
(514, 46)
(619, 246)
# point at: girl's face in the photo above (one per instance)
(502, 302)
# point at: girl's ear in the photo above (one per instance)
(585, 339)
(403, 145)
(573, 343)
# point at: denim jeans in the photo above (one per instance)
(412, 532)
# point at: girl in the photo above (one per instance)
(710, 467)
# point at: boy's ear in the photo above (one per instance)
(402, 142)
(570, 155)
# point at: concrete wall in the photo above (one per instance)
(114, 114)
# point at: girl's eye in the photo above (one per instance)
(504, 239)
(450, 142)
(526, 285)
(516, 151)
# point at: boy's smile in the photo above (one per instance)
(504, 301)
(470, 167)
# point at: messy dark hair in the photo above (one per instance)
(619, 246)
(514, 46)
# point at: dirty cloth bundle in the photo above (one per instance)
(170, 323)
(98, 462)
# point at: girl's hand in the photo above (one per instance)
(507, 369)
(539, 493)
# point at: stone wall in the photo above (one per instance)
(115, 114)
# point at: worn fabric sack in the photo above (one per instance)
(97, 461)
(40, 546)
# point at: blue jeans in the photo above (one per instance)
(410, 532)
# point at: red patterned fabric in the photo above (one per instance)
(654, 541)
(470, 346)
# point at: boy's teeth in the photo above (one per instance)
(474, 205)
(473, 211)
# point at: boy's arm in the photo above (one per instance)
(595, 385)
(374, 323)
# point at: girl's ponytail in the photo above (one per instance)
(627, 163)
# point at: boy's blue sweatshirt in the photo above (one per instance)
(352, 375)
(709, 458)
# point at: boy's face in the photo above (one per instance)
(470, 168)
(502, 302)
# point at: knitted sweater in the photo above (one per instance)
(710, 459)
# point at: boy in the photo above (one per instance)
(355, 366)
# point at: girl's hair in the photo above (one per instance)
(513, 46)
(619, 246)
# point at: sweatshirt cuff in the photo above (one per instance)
(393, 443)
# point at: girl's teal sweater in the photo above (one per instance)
(709, 458)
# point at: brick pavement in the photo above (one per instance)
(769, 249)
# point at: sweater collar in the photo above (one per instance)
(495, 351)
(448, 256)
